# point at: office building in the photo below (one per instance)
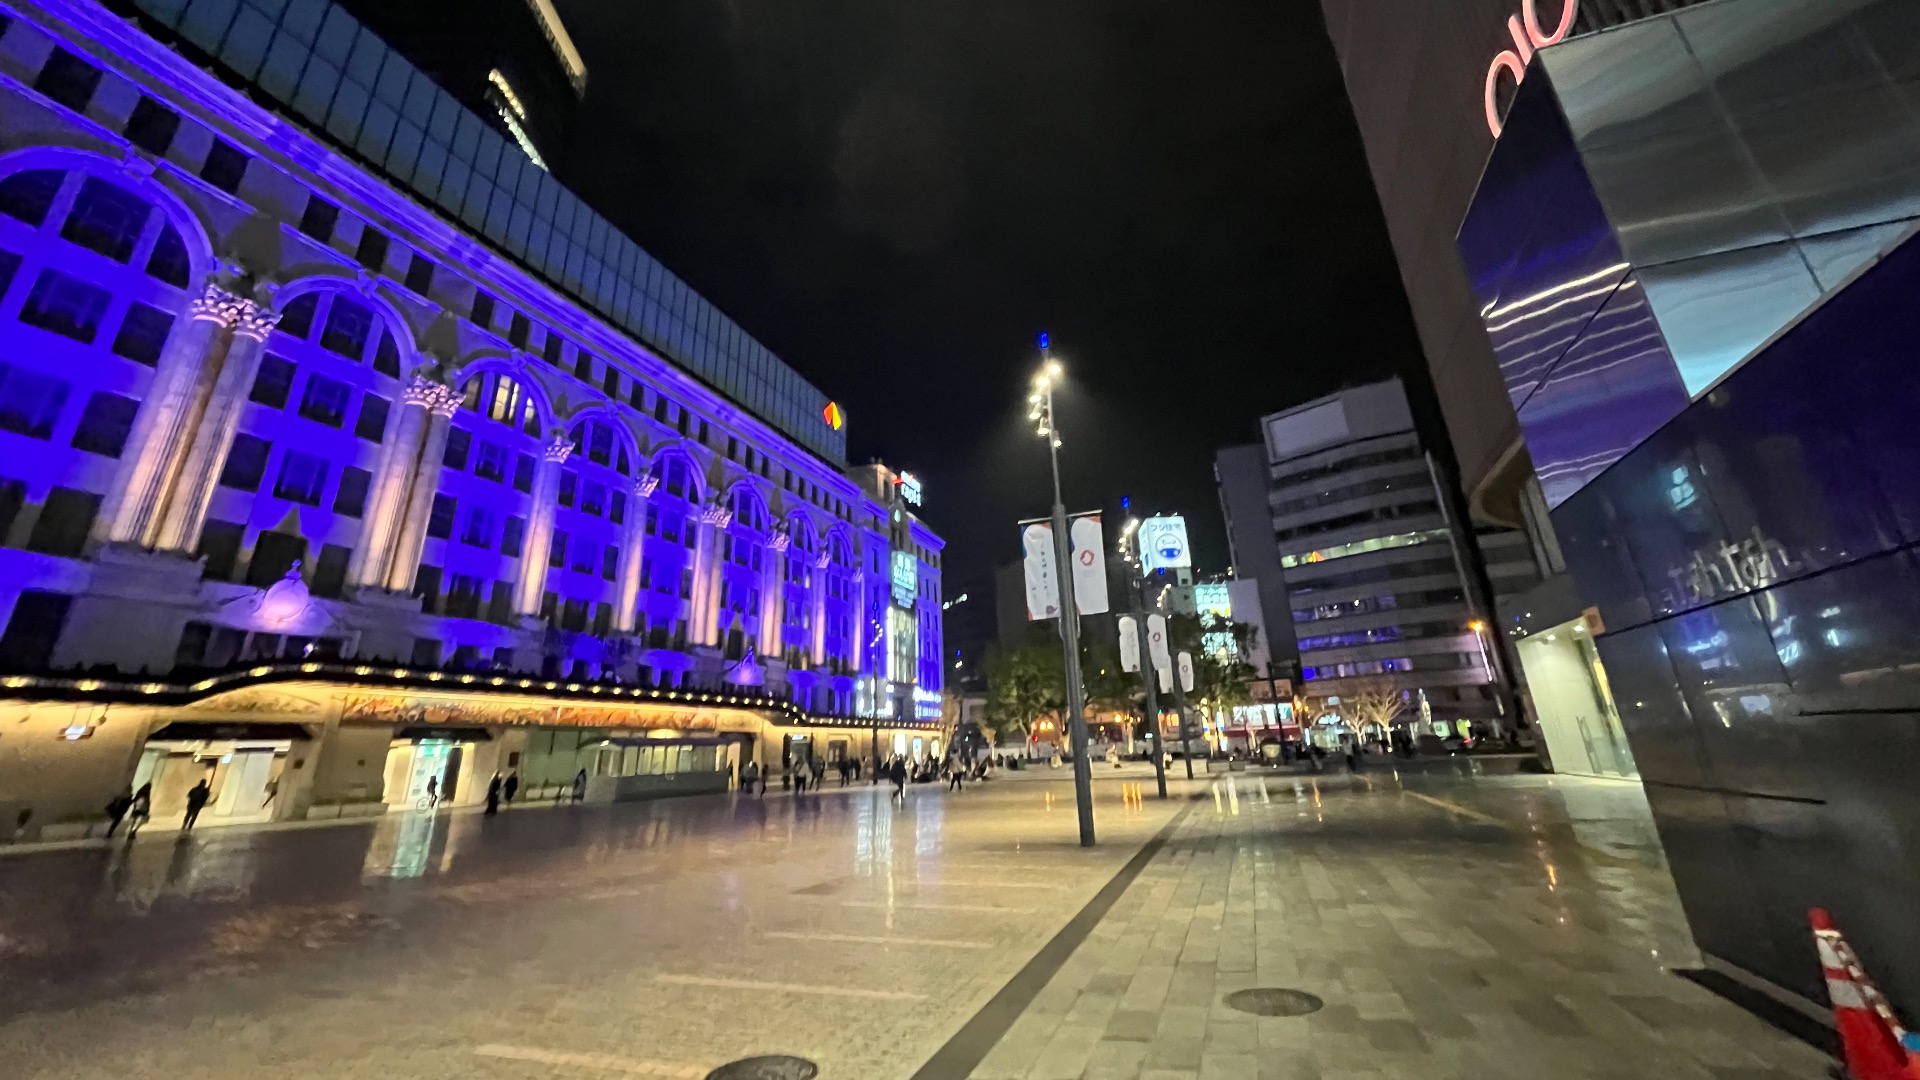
(1365, 558)
(1671, 305)
(321, 484)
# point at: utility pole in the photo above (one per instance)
(1042, 413)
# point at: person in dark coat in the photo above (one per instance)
(141, 810)
(197, 797)
(899, 777)
(580, 786)
(511, 787)
(493, 795)
(117, 808)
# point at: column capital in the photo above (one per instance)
(782, 538)
(215, 304)
(716, 515)
(645, 486)
(558, 450)
(431, 394)
(254, 320)
(823, 560)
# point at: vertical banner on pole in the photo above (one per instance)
(1129, 644)
(1157, 641)
(1043, 586)
(1186, 672)
(1089, 565)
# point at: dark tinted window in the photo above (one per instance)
(303, 478)
(372, 252)
(105, 424)
(351, 499)
(30, 402)
(29, 195)
(68, 80)
(152, 126)
(273, 382)
(169, 261)
(420, 274)
(226, 167)
(246, 463)
(107, 219)
(372, 423)
(459, 444)
(440, 521)
(220, 546)
(33, 630)
(143, 333)
(319, 218)
(65, 520)
(326, 400)
(297, 319)
(66, 306)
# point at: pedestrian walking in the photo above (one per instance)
(580, 786)
(511, 787)
(955, 774)
(140, 810)
(493, 795)
(819, 773)
(197, 797)
(800, 772)
(750, 777)
(117, 808)
(899, 777)
(433, 792)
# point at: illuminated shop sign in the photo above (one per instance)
(909, 486)
(926, 704)
(1528, 37)
(906, 578)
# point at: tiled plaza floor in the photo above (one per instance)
(1495, 928)
(1454, 927)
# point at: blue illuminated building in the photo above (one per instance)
(344, 448)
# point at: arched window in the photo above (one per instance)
(476, 538)
(842, 608)
(666, 572)
(803, 548)
(742, 555)
(589, 528)
(299, 473)
(93, 279)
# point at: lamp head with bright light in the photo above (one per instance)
(1476, 626)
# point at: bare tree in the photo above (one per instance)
(1370, 700)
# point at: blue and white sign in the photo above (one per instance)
(1163, 543)
(906, 578)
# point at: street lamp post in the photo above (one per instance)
(1041, 413)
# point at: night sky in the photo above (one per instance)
(897, 195)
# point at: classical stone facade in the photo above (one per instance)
(259, 405)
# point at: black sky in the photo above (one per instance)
(897, 195)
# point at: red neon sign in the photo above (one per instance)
(1528, 37)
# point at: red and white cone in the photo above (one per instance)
(1872, 1041)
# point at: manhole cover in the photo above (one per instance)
(1273, 1001)
(771, 1067)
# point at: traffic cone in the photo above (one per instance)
(1872, 1041)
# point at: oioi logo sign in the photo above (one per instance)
(1528, 37)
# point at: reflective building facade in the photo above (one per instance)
(1690, 253)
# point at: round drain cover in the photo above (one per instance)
(771, 1067)
(1274, 1001)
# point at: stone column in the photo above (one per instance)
(632, 555)
(714, 520)
(186, 509)
(817, 600)
(410, 537)
(773, 592)
(163, 429)
(546, 500)
(387, 494)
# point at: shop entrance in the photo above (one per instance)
(240, 763)
(442, 756)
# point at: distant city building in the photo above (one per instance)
(1357, 543)
(308, 489)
